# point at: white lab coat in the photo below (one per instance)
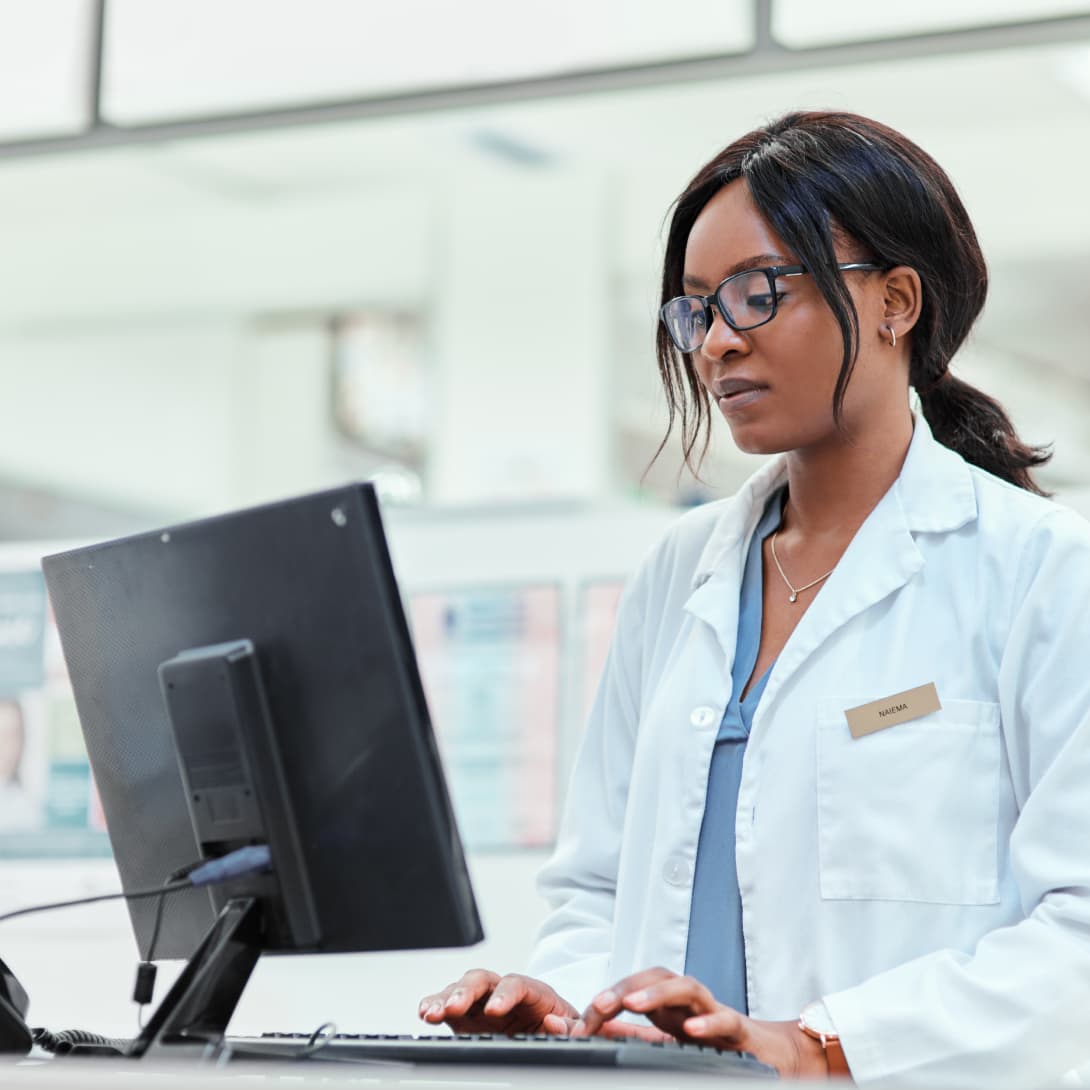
(930, 881)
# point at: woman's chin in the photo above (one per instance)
(750, 440)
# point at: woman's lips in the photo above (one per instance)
(732, 403)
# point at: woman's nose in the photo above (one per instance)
(722, 339)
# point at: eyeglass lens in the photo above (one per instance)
(745, 301)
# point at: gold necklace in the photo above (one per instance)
(795, 591)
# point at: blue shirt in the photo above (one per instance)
(716, 953)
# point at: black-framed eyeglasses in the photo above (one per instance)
(745, 300)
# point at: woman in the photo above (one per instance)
(837, 762)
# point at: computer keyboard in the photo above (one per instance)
(496, 1049)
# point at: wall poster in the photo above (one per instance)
(48, 803)
(490, 661)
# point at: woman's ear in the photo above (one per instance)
(902, 297)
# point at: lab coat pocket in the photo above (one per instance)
(910, 813)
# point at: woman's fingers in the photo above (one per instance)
(510, 991)
(676, 991)
(670, 1002)
(680, 1005)
(456, 999)
(727, 1027)
(608, 1004)
(616, 1029)
(558, 1025)
(482, 1001)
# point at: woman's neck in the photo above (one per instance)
(832, 489)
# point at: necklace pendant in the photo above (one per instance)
(793, 597)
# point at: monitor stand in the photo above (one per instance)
(193, 1017)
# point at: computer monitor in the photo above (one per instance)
(250, 678)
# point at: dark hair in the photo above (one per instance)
(817, 176)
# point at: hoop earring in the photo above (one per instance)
(892, 336)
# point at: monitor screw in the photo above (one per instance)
(339, 517)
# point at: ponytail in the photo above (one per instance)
(976, 426)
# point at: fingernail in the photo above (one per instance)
(436, 1008)
(604, 1000)
(638, 997)
(456, 997)
(696, 1025)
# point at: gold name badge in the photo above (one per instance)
(891, 710)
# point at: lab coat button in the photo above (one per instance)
(677, 871)
(703, 716)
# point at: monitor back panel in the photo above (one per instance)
(309, 582)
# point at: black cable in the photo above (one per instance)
(321, 1037)
(174, 876)
(138, 894)
(205, 872)
(315, 1044)
(155, 930)
(69, 1040)
(250, 859)
(144, 985)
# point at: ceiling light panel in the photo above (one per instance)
(45, 53)
(168, 59)
(802, 23)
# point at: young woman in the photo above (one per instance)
(830, 806)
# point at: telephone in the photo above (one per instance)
(14, 1032)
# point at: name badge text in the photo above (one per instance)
(891, 710)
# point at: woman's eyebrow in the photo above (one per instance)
(756, 262)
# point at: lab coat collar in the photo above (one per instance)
(934, 489)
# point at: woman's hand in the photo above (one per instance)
(685, 1009)
(485, 1002)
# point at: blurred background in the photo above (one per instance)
(250, 248)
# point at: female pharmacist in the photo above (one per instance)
(832, 804)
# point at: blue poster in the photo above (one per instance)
(22, 631)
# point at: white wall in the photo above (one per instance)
(522, 331)
(181, 361)
(140, 413)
